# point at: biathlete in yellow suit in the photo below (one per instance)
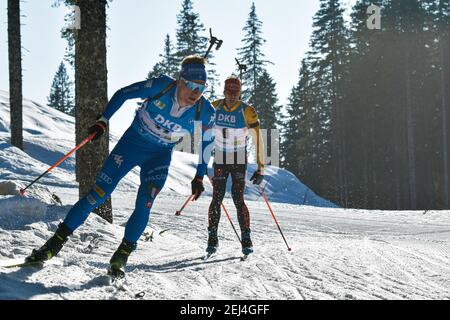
(235, 121)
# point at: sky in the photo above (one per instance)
(137, 29)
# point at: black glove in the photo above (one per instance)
(257, 177)
(197, 187)
(99, 128)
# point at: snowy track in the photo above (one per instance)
(337, 254)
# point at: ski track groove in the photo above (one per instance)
(396, 269)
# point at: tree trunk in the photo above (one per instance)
(91, 94)
(410, 133)
(15, 73)
(444, 126)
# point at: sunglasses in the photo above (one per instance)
(194, 86)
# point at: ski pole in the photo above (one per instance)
(22, 191)
(226, 212)
(273, 215)
(177, 213)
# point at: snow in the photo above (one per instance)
(336, 253)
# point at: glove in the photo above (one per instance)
(197, 187)
(99, 127)
(257, 177)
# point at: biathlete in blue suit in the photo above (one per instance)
(171, 110)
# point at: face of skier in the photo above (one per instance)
(189, 91)
(232, 91)
(231, 97)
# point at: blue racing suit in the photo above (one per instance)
(148, 143)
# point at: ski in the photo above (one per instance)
(22, 263)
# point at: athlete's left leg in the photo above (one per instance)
(153, 177)
(238, 174)
(237, 192)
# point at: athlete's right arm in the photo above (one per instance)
(141, 90)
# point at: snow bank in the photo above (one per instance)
(17, 211)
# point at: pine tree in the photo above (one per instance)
(251, 54)
(189, 32)
(375, 107)
(329, 56)
(362, 103)
(295, 132)
(291, 128)
(168, 64)
(67, 33)
(265, 101)
(61, 93)
(391, 108)
(258, 87)
(443, 19)
(191, 41)
(439, 25)
(305, 134)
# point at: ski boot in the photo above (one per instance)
(52, 247)
(120, 258)
(213, 242)
(247, 246)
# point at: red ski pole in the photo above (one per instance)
(22, 191)
(177, 213)
(274, 218)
